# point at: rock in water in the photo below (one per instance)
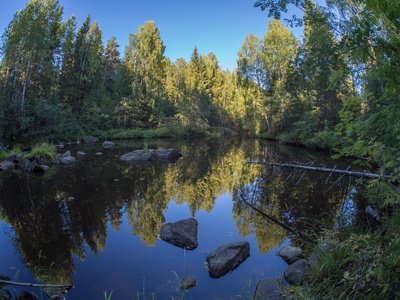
(227, 258)
(187, 283)
(290, 254)
(139, 155)
(181, 233)
(296, 273)
(268, 289)
(108, 144)
(80, 154)
(67, 160)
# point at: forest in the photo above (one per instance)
(337, 89)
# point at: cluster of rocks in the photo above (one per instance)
(17, 161)
(295, 274)
(138, 157)
(224, 259)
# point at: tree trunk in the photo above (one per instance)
(23, 91)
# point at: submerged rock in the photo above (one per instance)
(181, 233)
(268, 289)
(187, 283)
(290, 254)
(227, 258)
(297, 272)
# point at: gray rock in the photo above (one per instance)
(99, 153)
(66, 154)
(139, 155)
(67, 160)
(290, 254)
(187, 283)
(108, 144)
(227, 258)
(268, 289)
(80, 154)
(297, 272)
(4, 165)
(41, 168)
(181, 233)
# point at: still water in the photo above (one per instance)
(95, 224)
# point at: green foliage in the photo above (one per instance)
(43, 150)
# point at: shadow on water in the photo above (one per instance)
(60, 223)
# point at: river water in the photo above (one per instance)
(95, 224)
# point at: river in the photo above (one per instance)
(95, 224)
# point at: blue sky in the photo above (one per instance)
(218, 26)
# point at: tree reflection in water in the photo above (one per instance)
(65, 212)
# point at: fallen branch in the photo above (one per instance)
(326, 170)
(6, 282)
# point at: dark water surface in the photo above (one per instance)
(95, 224)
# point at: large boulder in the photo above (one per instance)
(297, 272)
(227, 258)
(181, 233)
(141, 157)
(268, 289)
(290, 254)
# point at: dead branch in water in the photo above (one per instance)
(272, 219)
(326, 170)
(6, 282)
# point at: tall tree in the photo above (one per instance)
(30, 47)
(144, 58)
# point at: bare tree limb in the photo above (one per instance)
(6, 282)
(271, 218)
(326, 170)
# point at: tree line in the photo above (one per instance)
(59, 80)
(337, 88)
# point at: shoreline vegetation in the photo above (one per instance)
(336, 89)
